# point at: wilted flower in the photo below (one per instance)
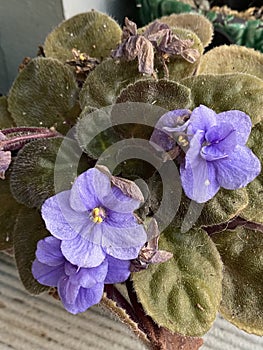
(216, 154)
(94, 219)
(78, 288)
(158, 38)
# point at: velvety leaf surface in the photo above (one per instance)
(44, 94)
(199, 24)
(93, 32)
(32, 179)
(224, 92)
(9, 209)
(104, 83)
(168, 95)
(184, 293)
(163, 93)
(6, 120)
(29, 229)
(242, 254)
(232, 59)
(254, 210)
(223, 206)
(178, 67)
(94, 133)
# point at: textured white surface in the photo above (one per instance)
(40, 323)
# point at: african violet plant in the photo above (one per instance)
(131, 176)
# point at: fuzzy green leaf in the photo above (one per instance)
(106, 81)
(44, 94)
(166, 94)
(9, 210)
(254, 210)
(242, 254)
(29, 229)
(94, 132)
(232, 59)
(32, 179)
(93, 32)
(6, 120)
(184, 293)
(199, 24)
(225, 205)
(224, 92)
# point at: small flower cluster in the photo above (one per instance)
(215, 149)
(94, 236)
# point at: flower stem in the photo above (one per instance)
(25, 134)
(115, 302)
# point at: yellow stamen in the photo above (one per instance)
(182, 140)
(97, 215)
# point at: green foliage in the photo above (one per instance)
(254, 210)
(104, 83)
(6, 120)
(93, 32)
(225, 205)
(29, 229)
(163, 93)
(33, 179)
(9, 210)
(224, 92)
(198, 24)
(44, 94)
(242, 254)
(231, 59)
(184, 293)
(94, 132)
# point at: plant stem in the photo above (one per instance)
(18, 141)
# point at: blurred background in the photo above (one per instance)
(25, 24)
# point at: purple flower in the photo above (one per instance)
(78, 288)
(164, 140)
(94, 219)
(217, 155)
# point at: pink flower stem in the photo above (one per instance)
(18, 141)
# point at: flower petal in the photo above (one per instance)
(89, 189)
(116, 219)
(67, 291)
(123, 243)
(116, 200)
(238, 169)
(49, 252)
(202, 118)
(82, 252)
(221, 139)
(161, 138)
(61, 220)
(124, 236)
(88, 277)
(197, 175)
(240, 121)
(118, 270)
(47, 275)
(85, 299)
(5, 160)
